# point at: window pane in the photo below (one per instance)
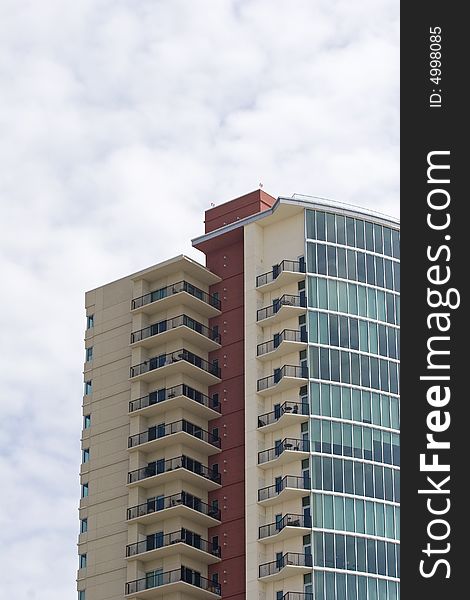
(352, 270)
(347, 439)
(378, 239)
(352, 298)
(350, 232)
(323, 328)
(320, 222)
(325, 400)
(310, 219)
(387, 241)
(359, 233)
(330, 228)
(342, 296)
(312, 292)
(340, 229)
(346, 403)
(356, 405)
(339, 512)
(369, 237)
(340, 552)
(366, 409)
(328, 522)
(342, 271)
(338, 475)
(331, 261)
(360, 517)
(345, 367)
(336, 401)
(311, 257)
(321, 259)
(333, 295)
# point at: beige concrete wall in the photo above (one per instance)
(110, 461)
(104, 543)
(266, 244)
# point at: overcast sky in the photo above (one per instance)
(121, 121)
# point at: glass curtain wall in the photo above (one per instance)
(353, 286)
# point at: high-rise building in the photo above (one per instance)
(241, 419)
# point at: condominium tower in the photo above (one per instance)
(241, 419)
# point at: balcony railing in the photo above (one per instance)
(179, 462)
(288, 408)
(286, 444)
(287, 335)
(159, 431)
(156, 579)
(285, 300)
(285, 371)
(179, 321)
(182, 499)
(175, 288)
(167, 359)
(288, 520)
(183, 536)
(298, 596)
(288, 559)
(288, 481)
(294, 266)
(168, 393)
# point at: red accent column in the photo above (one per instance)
(225, 257)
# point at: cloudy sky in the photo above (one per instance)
(117, 117)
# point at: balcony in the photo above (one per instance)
(285, 307)
(179, 468)
(181, 396)
(177, 362)
(289, 526)
(286, 378)
(290, 564)
(288, 413)
(182, 431)
(286, 272)
(176, 294)
(176, 328)
(288, 488)
(297, 596)
(286, 451)
(183, 542)
(286, 342)
(156, 585)
(183, 505)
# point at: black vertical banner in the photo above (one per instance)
(435, 264)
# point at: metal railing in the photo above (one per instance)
(298, 596)
(182, 499)
(294, 559)
(157, 579)
(181, 536)
(285, 300)
(179, 321)
(160, 431)
(290, 408)
(175, 288)
(292, 444)
(179, 462)
(167, 359)
(288, 481)
(287, 335)
(294, 266)
(289, 520)
(285, 371)
(167, 393)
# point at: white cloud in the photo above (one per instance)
(118, 117)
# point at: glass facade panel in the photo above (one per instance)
(353, 284)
